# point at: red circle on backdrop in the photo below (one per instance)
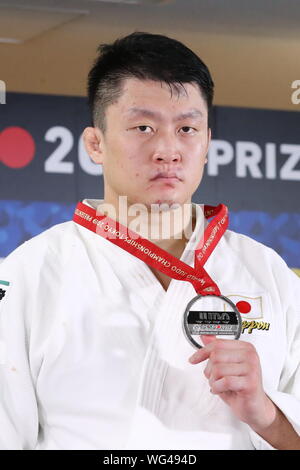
(17, 147)
(243, 306)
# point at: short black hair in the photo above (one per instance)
(144, 56)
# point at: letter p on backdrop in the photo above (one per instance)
(2, 92)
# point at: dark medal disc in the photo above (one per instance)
(204, 317)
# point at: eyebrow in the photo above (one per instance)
(193, 113)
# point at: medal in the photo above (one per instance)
(209, 313)
(206, 315)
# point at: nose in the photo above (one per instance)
(166, 150)
(166, 158)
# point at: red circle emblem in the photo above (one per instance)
(243, 306)
(17, 147)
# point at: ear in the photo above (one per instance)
(93, 142)
(208, 142)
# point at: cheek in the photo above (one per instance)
(125, 151)
(122, 165)
(134, 161)
(196, 164)
(199, 154)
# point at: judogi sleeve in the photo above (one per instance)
(287, 396)
(18, 405)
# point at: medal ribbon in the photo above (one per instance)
(155, 256)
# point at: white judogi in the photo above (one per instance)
(93, 355)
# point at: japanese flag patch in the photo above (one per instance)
(249, 307)
(253, 311)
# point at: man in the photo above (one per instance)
(94, 355)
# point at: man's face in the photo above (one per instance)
(155, 144)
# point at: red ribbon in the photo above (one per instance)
(155, 256)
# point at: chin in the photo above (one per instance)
(167, 203)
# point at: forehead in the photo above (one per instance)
(137, 93)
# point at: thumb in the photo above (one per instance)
(206, 339)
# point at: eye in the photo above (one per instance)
(187, 128)
(143, 129)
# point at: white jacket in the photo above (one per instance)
(93, 355)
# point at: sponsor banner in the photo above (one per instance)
(254, 160)
(42, 157)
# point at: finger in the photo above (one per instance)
(229, 348)
(215, 371)
(199, 356)
(207, 339)
(220, 356)
(229, 384)
(218, 371)
(207, 370)
(203, 353)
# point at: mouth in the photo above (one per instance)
(167, 177)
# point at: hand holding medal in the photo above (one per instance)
(233, 368)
